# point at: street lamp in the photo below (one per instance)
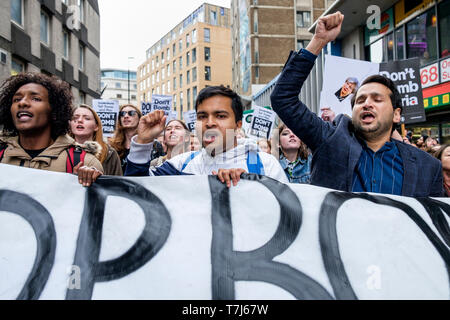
(129, 58)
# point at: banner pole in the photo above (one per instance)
(403, 130)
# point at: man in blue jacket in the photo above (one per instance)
(356, 154)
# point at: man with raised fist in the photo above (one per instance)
(357, 154)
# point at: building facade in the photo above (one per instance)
(55, 37)
(119, 85)
(193, 55)
(263, 34)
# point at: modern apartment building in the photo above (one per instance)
(119, 85)
(263, 34)
(55, 37)
(193, 55)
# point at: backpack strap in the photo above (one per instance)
(254, 163)
(2, 151)
(191, 156)
(74, 156)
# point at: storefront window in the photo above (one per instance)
(399, 43)
(390, 46)
(444, 28)
(376, 51)
(445, 133)
(421, 35)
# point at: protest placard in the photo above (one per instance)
(146, 108)
(107, 111)
(160, 102)
(190, 118)
(262, 123)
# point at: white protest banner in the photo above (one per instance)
(160, 102)
(162, 238)
(146, 108)
(262, 123)
(190, 118)
(107, 111)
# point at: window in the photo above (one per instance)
(17, 67)
(187, 40)
(390, 47)
(257, 56)
(174, 66)
(207, 54)
(17, 11)
(444, 27)
(168, 54)
(213, 18)
(45, 28)
(187, 58)
(194, 95)
(194, 74)
(66, 48)
(181, 62)
(399, 43)
(168, 70)
(118, 85)
(82, 97)
(181, 81)
(303, 19)
(133, 97)
(119, 96)
(206, 35)
(194, 36)
(188, 98)
(157, 76)
(376, 51)
(302, 44)
(162, 57)
(174, 84)
(153, 79)
(163, 88)
(181, 102)
(256, 72)
(81, 58)
(180, 45)
(174, 49)
(153, 64)
(157, 61)
(194, 55)
(174, 102)
(81, 7)
(163, 73)
(188, 77)
(421, 37)
(135, 86)
(168, 86)
(208, 73)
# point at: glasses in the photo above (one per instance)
(131, 113)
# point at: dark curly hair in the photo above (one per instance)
(59, 96)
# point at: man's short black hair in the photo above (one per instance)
(395, 96)
(59, 96)
(212, 91)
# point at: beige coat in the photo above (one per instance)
(53, 158)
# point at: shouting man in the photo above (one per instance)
(354, 154)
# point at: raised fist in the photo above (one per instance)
(150, 126)
(329, 27)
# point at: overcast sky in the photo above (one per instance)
(130, 27)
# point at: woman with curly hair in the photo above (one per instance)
(295, 158)
(87, 126)
(443, 154)
(35, 110)
(126, 128)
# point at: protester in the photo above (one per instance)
(354, 154)
(35, 111)
(429, 144)
(176, 140)
(295, 158)
(126, 127)
(443, 154)
(219, 116)
(327, 114)
(194, 143)
(265, 146)
(86, 127)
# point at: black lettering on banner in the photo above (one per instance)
(229, 266)
(155, 233)
(44, 229)
(330, 246)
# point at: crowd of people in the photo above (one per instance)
(363, 153)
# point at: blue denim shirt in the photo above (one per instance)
(299, 171)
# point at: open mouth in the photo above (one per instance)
(80, 127)
(210, 136)
(367, 117)
(173, 137)
(24, 115)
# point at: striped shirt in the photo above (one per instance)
(379, 172)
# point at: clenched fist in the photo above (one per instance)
(327, 29)
(150, 126)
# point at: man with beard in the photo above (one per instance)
(356, 154)
(219, 118)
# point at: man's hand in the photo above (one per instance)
(327, 29)
(86, 175)
(150, 126)
(228, 175)
(327, 114)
